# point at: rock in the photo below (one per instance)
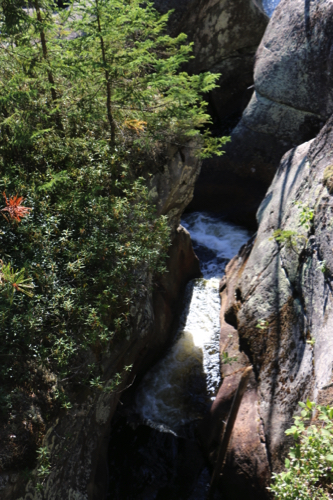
(278, 295)
(78, 439)
(293, 98)
(183, 265)
(226, 35)
(171, 189)
(247, 470)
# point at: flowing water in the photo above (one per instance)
(182, 386)
(155, 437)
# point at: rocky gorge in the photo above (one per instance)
(275, 98)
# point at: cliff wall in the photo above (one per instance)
(277, 314)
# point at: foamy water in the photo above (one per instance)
(181, 387)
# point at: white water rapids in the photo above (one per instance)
(180, 388)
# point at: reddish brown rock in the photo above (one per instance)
(182, 266)
(247, 471)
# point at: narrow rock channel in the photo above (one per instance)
(153, 439)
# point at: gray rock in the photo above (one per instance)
(279, 294)
(171, 190)
(293, 98)
(226, 35)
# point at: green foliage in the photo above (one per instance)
(212, 145)
(88, 99)
(291, 238)
(227, 360)
(288, 238)
(44, 466)
(285, 237)
(262, 324)
(322, 266)
(5, 402)
(112, 384)
(309, 474)
(12, 281)
(306, 215)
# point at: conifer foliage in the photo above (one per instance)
(89, 96)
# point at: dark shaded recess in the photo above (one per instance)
(235, 183)
(227, 102)
(146, 464)
(225, 191)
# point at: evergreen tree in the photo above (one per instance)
(87, 96)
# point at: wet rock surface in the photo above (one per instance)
(278, 297)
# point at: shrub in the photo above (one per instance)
(89, 96)
(309, 473)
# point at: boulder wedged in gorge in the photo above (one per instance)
(277, 302)
(292, 99)
(225, 35)
(78, 439)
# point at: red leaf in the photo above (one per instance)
(14, 208)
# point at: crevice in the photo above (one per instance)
(238, 54)
(294, 291)
(260, 94)
(254, 287)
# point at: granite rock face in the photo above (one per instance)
(277, 297)
(78, 440)
(292, 100)
(226, 35)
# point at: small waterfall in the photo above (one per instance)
(155, 440)
(181, 387)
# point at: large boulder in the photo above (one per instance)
(277, 297)
(226, 35)
(293, 98)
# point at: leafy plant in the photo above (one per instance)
(285, 237)
(227, 360)
(12, 281)
(262, 324)
(97, 382)
(44, 466)
(306, 215)
(288, 238)
(14, 208)
(309, 474)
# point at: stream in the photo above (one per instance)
(165, 461)
(154, 452)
